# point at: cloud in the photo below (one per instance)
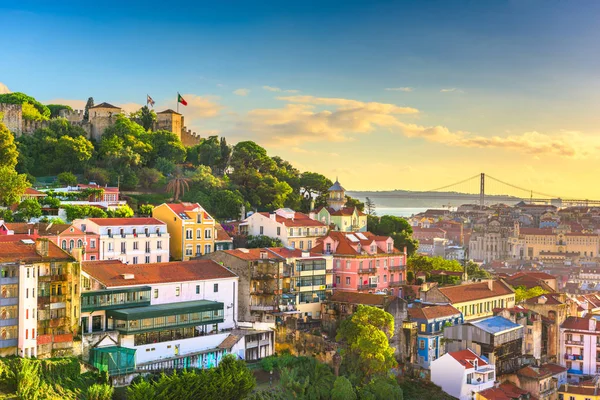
(276, 89)
(399, 89)
(4, 89)
(448, 90)
(74, 104)
(128, 107)
(241, 92)
(200, 106)
(348, 104)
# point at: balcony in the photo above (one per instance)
(397, 268)
(264, 308)
(263, 291)
(58, 298)
(115, 298)
(573, 356)
(574, 342)
(59, 277)
(260, 276)
(367, 271)
(396, 283)
(367, 287)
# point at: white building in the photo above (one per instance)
(131, 240)
(462, 374)
(27, 310)
(579, 344)
(294, 229)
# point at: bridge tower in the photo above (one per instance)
(482, 190)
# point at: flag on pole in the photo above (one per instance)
(149, 100)
(181, 100)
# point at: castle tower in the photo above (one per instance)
(171, 121)
(336, 198)
(101, 117)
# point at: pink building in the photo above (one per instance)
(363, 262)
(69, 238)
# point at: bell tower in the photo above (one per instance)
(336, 197)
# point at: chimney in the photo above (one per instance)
(273, 216)
(490, 284)
(42, 247)
(592, 325)
(77, 254)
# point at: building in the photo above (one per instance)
(473, 300)
(553, 307)
(542, 381)
(535, 329)
(39, 299)
(130, 240)
(490, 243)
(31, 193)
(163, 315)
(346, 219)
(70, 238)
(431, 321)
(294, 229)
(462, 374)
(364, 262)
(90, 194)
(533, 243)
(589, 390)
(498, 339)
(579, 342)
(341, 305)
(278, 281)
(222, 239)
(531, 279)
(192, 230)
(503, 391)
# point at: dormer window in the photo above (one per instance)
(199, 218)
(372, 248)
(122, 232)
(328, 247)
(359, 248)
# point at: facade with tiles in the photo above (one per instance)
(131, 240)
(364, 262)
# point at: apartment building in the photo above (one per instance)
(462, 374)
(579, 346)
(473, 300)
(130, 240)
(295, 230)
(555, 309)
(192, 231)
(364, 262)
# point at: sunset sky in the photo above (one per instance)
(383, 94)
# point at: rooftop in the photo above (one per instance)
(299, 219)
(369, 299)
(432, 312)
(104, 105)
(495, 325)
(336, 187)
(504, 391)
(125, 221)
(467, 358)
(111, 273)
(476, 291)
(25, 250)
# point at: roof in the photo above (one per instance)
(570, 388)
(183, 208)
(222, 235)
(578, 323)
(495, 324)
(168, 111)
(110, 272)
(475, 291)
(25, 250)
(336, 187)
(346, 242)
(528, 281)
(550, 298)
(125, 221)
(543, 371)
(33, 192)
(104, 105)
(253, 254)
(229, 341)
(466, 358)
(432, 312)
(159, 310)
(504, 391)
(300, 219)
(369, 299)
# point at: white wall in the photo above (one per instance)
(157, 351)
(256, 220)
(27, 308)
(448, 374)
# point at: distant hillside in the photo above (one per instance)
(402, 198)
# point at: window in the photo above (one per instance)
(198, 247)
(328, 247)
(109, 232)
(199, 218)
(469, 378)
(309, 245)
(207, 233)
(348, 264)
(147, 247)
(123, 247)
(158, 259)
(347, 280)
(135, 260)
(293, 245)
(188, 251)
(159, 245)
(71, 244)
(278, 231)
(136, 245)
(93, 243)
(216, 288)
(110, 247)
(385, 278)
(79, 243)
(301, 245)
(197, 289)
(26, 293)
(156, 293)
(207, 248)
(92, 258)
(198, 233)
(177, 291)
(188, 234)
(261, 230)
(421, 345)
(147, 260)
(27, 272)
(337, 280)
(64, 245)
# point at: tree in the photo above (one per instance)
(178, 184)
(381, 388)
(146, 210)
(418, 263)
(352, 202)
(255, 242)
(314, 185)
(121, 212)
(370, 206)
(66, 179)
(149, 177)
(88, 105)
(145, 116)
(8, 149)
(72, 154)
(224, 156)
(342, 389)
(239, 379)
(29, 208)
(522, 293)
(167, 167)
(55, 109)
(12, 186)
(398, 228)
(166, 144)
(34, 107)
(98, 175)
(365, 337)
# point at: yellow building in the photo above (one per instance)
(192, 230)
(569, 391)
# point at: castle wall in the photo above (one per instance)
(98, 124)
(13, 116)
(72, 116)
(189, 138)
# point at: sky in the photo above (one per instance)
(382, 94)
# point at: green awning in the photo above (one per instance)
(163, 310)
(91, 293)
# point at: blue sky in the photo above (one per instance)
(511, 86)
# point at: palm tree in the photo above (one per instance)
(178, 184)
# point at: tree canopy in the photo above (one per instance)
(398, 228)
(522, 293)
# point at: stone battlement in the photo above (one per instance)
(72, 115)
(189, 138)
(31, 126)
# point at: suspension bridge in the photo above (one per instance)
(482, 188)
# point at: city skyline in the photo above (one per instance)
(384, 95)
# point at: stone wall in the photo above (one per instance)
(12, 117)
(189, 138)
(72, 115)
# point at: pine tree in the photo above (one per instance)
(88, 105)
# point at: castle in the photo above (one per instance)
(101, 117)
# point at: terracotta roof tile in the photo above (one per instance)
(432, 312)
(578, 323)
(110, 272)
(475, 291)
(369, 299)
(222, 236)
(33, 192)
(19, 251)
(466, 358)
(299, 220)
(504, 391)
(590, 390)
(125, 221)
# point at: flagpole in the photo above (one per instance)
(177, 102)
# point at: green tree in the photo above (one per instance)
(418, 263)
(149, 177)
(352, 202)
(72, 154)
(166, 144)
(121, 212)
(177, 185)
(381, 388)
(398, 228)
(30, 113)
(342, 389)
(29, 208)
(99, 392)
(66, 179)
(209, 152)
(314, 185)
(41, 111)
(145, 116)
(522, 293)
(255, 242)
(365, 337)
(8, 149)
(89, 104)
(12, 186)
(99, 175)
(224, 156)
(146, 210)
(167, 167)
(370, 207)
(142, 390)
(55, 109)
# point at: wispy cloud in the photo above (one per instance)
(241, 92)
(448, 90)
(399, 89)
(276, 89)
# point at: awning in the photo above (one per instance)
(163, 310)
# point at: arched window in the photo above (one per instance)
(64, 245)
(71, 244)
(79, 244)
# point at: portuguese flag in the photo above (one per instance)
(181, 100)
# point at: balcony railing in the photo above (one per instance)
(260, 276)
(573, 356)
(574, 342)
(263, 308)
(267, 291)
(396, 268)
(367, 271)
(396, 283)
(367, 287)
